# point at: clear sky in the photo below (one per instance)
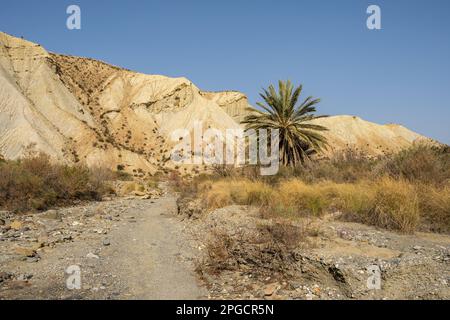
(400, 74)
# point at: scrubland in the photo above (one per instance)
(35, 183)
(405, 192)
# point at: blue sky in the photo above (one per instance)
(400, 74)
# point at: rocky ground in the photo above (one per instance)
(332, 262)
(134, 248)
(125, 248)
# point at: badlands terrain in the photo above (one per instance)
(167, 236)
(82, 110)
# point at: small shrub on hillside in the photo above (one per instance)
(218, 253)
(223, 170)
(153, 183)
(179, 184)
(123, 176)
(132, 186)
(283, 233)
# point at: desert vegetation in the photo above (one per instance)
(405, 192)
(286, 227)
(36, 183)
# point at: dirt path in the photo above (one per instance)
(153, 255)
(133, 249)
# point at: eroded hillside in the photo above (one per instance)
(79, 109)
(83, 110)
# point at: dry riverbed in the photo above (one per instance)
(336, 260)
(151, 249)
(125, 249)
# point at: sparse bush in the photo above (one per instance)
(283, 233)
(178, 184)
(223, 170)
(123, 176)
(265, 249)
(131, 187)
(153, 182)
(35, 183)
(422, 164)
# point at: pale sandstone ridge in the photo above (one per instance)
(79, 109)
(351, 132)
(83, 110)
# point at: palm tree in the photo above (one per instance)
(299, 138)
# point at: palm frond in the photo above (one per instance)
(299, 138)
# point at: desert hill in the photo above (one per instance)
(83, 110)
(78, 109)
(368, 137)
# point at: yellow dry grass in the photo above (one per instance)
(386, 202)
(239, 191)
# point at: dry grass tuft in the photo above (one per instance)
(229, 191)
(385, 203)
(434, 205)
(299, 198)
